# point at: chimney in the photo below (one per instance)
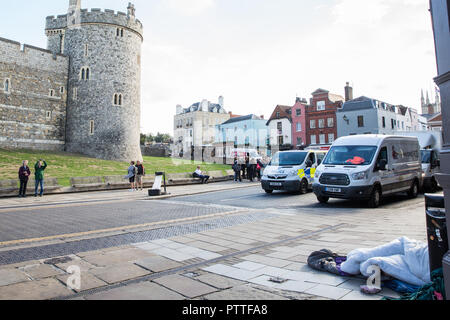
(221, 101)
(348, 92)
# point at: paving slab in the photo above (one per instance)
(141, 291)
(11, 276)
(185, 286)
(88, 281)
(40, 271)
(358, 295)
(249, 266)
(119, 273)
(173, 254)
(273, 262)
(35, 290)
(244, 293)
(231, 272)
(218, 281)
(328, 291)
(157, 264)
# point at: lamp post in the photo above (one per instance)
(440, 11)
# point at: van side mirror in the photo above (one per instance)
(382, 165)
(319, 162)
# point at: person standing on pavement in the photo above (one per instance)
(140, 173)
(24, 174)
(39, 169)
(251, 169)
(237, 170)
(259, 168)
(132, 176)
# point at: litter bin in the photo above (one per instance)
(156, 190)
(436, 229)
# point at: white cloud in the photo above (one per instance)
(190, 7)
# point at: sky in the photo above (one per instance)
(261, 53)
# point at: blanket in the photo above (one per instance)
(403, 259)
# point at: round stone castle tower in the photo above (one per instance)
(103, 102)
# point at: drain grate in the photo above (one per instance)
(74, 247)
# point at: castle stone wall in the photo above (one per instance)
(30, 118)
(114, 64)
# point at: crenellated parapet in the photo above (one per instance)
(96, 16)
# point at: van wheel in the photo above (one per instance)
(268, 191)
(375, 198)
(414, 191)
(323, 199)
(304, 186)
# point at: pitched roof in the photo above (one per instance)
(284, 112)
(243, 118)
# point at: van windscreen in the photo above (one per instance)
(288, 158)
(351, 155)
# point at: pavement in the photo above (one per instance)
(221, 241)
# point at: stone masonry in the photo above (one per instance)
(93, 66)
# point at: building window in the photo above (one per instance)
(360, 121)
(85, 73)
(299, 141)
(392, 124)
(298, 112)
(117, 100)
(313, 139)
(86, 50)
(331, 138)
(322, 139)
(51, 93)
(278, 115)
(384, 122)
(7, 85)
(320, 105)
(75, 94)
(330, 122)
(299, 127)
(119, 32)
(280, 127)
(280, 140)
(48, 115)
(312, 124)
(61, 90)
(321, 123)
(91, 127)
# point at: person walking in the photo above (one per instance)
(251, 169)
(132, 176)
(39, 169)
(24, 174)
(199, 174)
(259, 168)
(140, 173)
(237, 170)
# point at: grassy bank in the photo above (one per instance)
(64, 165)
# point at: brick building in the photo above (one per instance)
(321, 117)
(299, 123)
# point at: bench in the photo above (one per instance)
(50, 184)
(87, 182)
(181, 178)
(7, 186)
(117, 181)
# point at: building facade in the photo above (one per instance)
(87, 84)
(365, 115)
(321, 117)
(244, 132)
(195, 127)
(280, 127)
(299, 123)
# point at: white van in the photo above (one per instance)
(292, 171)
(369, 166)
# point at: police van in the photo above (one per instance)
(292, 171)
(367, 167)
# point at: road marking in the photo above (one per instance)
(123, 228)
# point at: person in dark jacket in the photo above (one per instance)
(259, 168)
(140, 173)
(39, 168)
(237, 170)
(24, 174)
